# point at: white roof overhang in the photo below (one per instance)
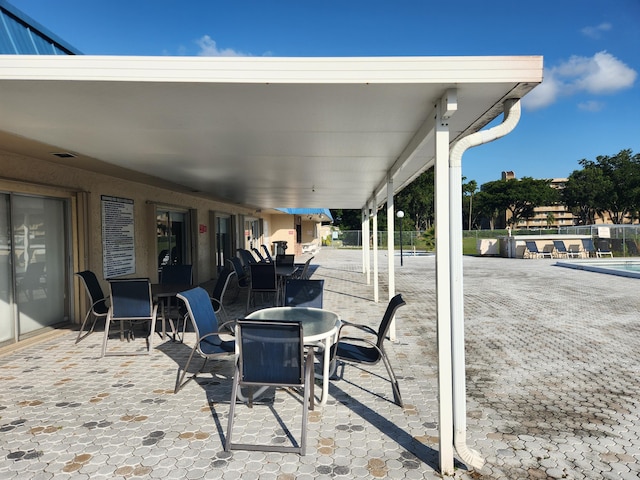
(264, 132)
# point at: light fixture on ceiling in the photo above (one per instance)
(64, 154)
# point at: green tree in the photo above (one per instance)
(519, 197)
(468, 191)
(585, 192)
(417, 202)
(619, 196)
(347, 219)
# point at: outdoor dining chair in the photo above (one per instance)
(271, 353)
(304, 272)
(131, 302)
(209, 342)
(362, 350)
(174, 275)
(99, 302)
(267, 254)
(219, 291)
(303, 293)
(263, 280)
(284, 259)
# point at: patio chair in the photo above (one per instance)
(587, 245)
(303, 293)
(284, 259)
(98, 307)
(261, 259)
(531, 251)
(171, 309)
(560, 250)
(304, 272)
(271, 353)
(246, 257)
(267, 254)
(132, 302)
(603, 248)
(361, 350)
(263, 280)
(209, 343)
(219, 290)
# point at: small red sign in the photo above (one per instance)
(203, 228)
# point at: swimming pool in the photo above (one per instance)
(623, 268)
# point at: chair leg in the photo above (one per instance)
(394, 381)
(232, 408)
(84, 323)
(106, 335)
(180, 379)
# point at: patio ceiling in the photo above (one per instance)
(262, 132)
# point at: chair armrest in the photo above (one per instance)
(358, 339)
(229, 326)
(363, 328)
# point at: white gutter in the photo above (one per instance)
(511, 118)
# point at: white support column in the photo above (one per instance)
(443, 290)
(365, 244)
(376, 294)
(361, 232)
(391, 252)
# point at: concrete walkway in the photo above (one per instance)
(553, 364)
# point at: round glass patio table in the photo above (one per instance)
(319, 329)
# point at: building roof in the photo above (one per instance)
(20, 34)
(321, 214)
(266, 132)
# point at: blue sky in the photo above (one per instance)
(588, 104)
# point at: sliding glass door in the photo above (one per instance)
(34, 276)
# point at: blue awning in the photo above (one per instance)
(309, 211)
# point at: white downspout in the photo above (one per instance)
(511, 118)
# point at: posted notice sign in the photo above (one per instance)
(118, 242)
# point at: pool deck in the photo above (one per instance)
(553, 390)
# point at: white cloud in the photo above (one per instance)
(209, 48)
(598, 75)
(596, 32)
(591, 106)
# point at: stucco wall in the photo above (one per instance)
(48, 178)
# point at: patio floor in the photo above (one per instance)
(553, 390)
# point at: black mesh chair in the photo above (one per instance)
(361, 350)
(131, 302)
(209, 343)
(303, 293)
(284, 259)
(219, 290)
(247, 257)
(271, 353)
(263, 280)
(99, 302)
(259, 255)
(174, 275)
(267, 254)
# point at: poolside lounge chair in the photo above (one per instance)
(560, 250)
(603, 248)
(589, 249)
(632, 247)
(531, 251)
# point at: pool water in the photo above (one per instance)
(622, 268)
